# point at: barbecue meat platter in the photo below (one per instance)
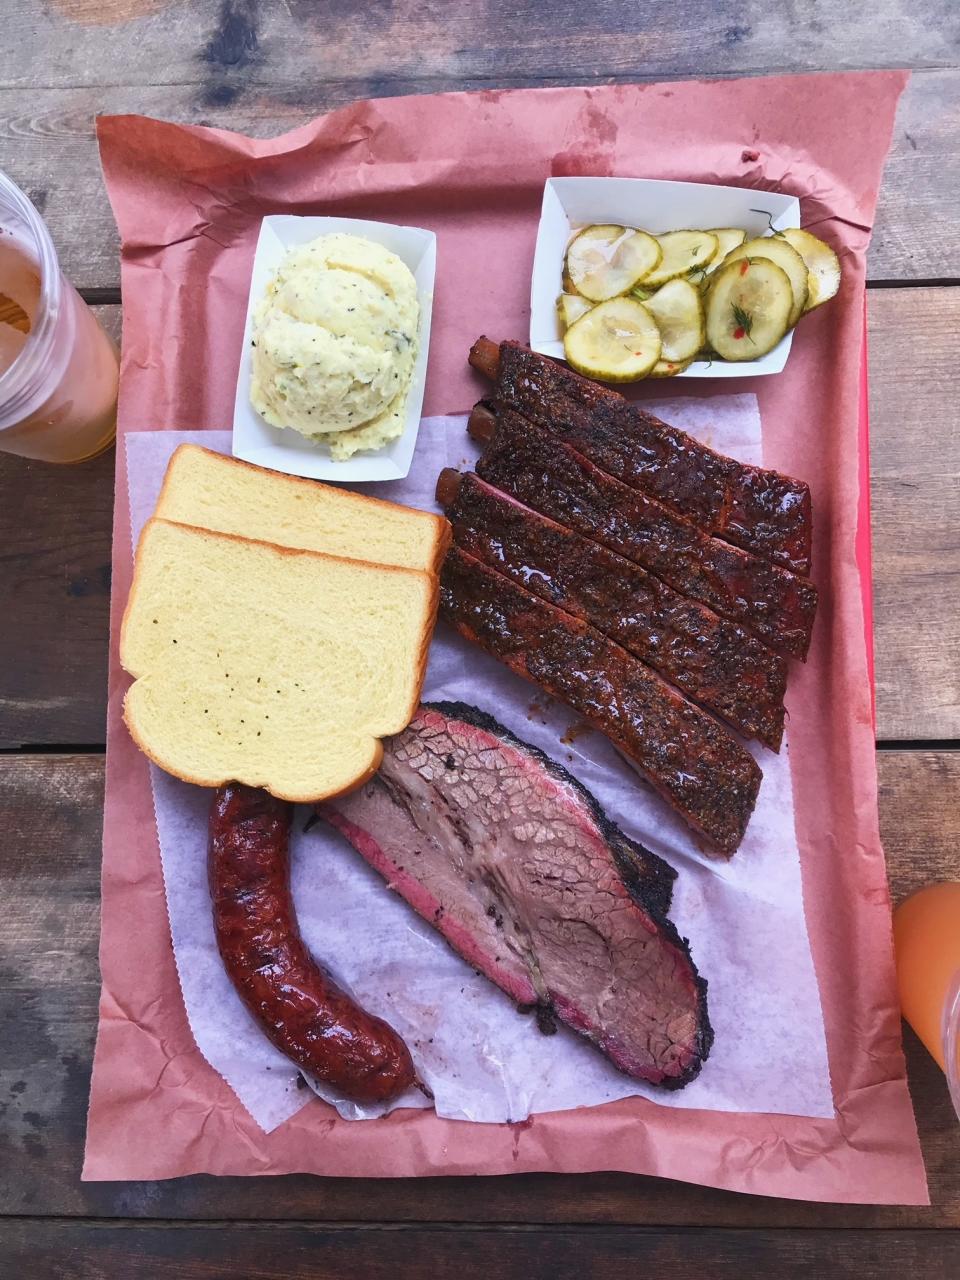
(657, 589)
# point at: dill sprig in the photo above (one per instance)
(744, 320)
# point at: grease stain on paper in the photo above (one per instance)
(603, 127)
(593, 150)
(517, 1129)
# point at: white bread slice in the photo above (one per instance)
(270, 666)
(212, 491)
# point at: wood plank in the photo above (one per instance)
(61, 44)
(55, 527)
(915, 473)
(919, 818)
(49, 866)
(88, 1251)
(265, 69)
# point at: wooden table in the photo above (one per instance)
(263, 69)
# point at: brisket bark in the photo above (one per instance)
(689, 758)
(520, 870)
(776, 605)
(756, 508)
(712, 660)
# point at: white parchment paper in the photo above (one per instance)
(483, 1060)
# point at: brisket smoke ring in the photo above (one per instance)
(519, 869)
(759, 509)
(714, 661)
(689, 758)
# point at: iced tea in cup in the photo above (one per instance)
(58, 369)
(926, 931)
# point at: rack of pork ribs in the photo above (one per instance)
(655, 586)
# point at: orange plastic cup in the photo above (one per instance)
(926, 931)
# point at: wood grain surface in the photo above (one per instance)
(263, 69)
(915, 492)
(49, 987)
(98, 1251)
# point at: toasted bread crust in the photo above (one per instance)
(439, 526)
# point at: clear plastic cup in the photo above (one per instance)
(926, 930)
(58, 381)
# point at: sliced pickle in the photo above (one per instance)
(605, 261)
(748, 308)
(570, 307)
(788, 260)
(683, 252)
(678, 311)
(821, 262)
(617, 341)
(728, 238)
(668, 368)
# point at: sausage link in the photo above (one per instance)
(303, 1012)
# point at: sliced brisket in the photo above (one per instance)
(690, 759)
(537, 469)
(756, 508)
(519, 869)
(714, 661)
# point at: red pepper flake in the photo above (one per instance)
(749, 155)
(745, 267)
(740, 332)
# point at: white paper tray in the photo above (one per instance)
(569, 203)
(282, 449)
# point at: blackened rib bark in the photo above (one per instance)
(695, 764)
(714, 661)
(759, 509)
(518, 867)
(776, 605)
